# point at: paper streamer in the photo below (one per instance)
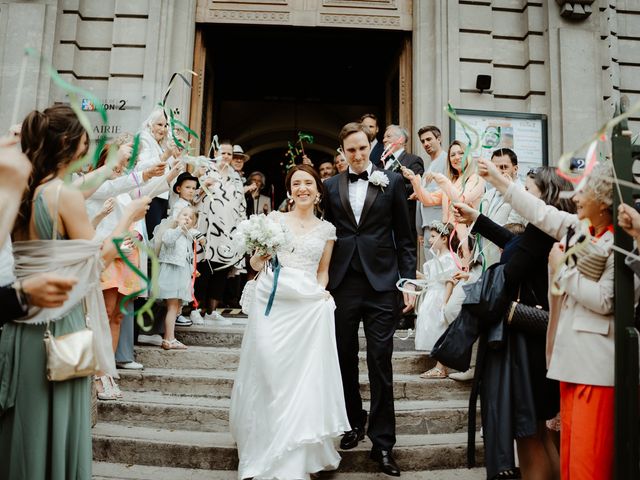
(564, 162)
(151, 283)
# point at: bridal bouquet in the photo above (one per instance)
(263, 235)
(266, 237)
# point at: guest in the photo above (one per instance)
(454, 187)
(256, 202)
(326, 170)
(37, 415)
(117, 279)
(395, 141)
(156, 148)
(430, 136)
(370, 122)
(219, 216)
(580, 336)
(517, 398)
(340, 163)
(438, 273)
(486, 253)
(46, 290)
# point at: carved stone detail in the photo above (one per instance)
(250, 16)
(370, 20)
(575, 9)
(383, 4)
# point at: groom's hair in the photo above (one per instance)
(350, 129)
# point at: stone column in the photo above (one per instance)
(431, 52)
(24, 25)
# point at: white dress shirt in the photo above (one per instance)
(358, 192)
(389, 163)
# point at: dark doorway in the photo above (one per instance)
(266, 84)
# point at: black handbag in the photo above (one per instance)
(527, 319)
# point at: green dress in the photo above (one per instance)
(45, 427)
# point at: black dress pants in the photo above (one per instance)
(357, 300)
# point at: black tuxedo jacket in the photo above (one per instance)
(376, 154)
(412, 162)
(383, 238)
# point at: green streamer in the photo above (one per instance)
(151, 283)
(305, 137)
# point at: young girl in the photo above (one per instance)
(185, 187)
(176, 267)
(438, 273)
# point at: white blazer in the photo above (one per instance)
(580, 337)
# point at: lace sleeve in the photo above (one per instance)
(329, 231)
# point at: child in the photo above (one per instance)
(176, 267)
(186, 186)
(438, 273)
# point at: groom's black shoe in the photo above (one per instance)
(353, 437)
(387, 464)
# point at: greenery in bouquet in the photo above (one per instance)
(263, 235)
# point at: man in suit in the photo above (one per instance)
(395, 140)
(256, 202)
(370, 122)
(373, 250)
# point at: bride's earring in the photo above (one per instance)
(317, 200)
(289, 198)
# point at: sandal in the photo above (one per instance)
(174, 344)
(435, 372)
(107, 392)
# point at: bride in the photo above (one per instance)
(287, 403)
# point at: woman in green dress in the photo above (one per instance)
(45, 429)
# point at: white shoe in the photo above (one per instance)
(130, 365)
(183, 322)
(196, 317)
(463, 376)
(150, 340)
(214, 318)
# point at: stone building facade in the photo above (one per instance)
(568, 60)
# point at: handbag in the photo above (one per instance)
(527, 319)
(249, 294)
(71, 355)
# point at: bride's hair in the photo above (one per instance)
(311, 171)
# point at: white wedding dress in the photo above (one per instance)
(287, 404)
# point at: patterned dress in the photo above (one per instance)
(220, 214)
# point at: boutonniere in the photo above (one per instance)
(379, 179)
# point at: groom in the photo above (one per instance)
(373, 250)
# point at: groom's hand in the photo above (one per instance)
(409, 298)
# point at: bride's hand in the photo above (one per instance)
(257, 261)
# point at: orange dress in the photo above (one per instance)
(119, 275)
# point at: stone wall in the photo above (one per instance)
(573, 71)
(122, 51)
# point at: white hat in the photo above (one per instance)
(239, 152)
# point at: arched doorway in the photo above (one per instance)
(262, 85)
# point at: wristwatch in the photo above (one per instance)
(23, 298)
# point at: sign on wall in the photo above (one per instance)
(524, 133)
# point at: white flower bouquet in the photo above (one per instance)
(263, 235)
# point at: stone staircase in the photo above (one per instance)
(173, 422)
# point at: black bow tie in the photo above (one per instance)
(354, 177)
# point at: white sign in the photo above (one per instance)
(523, 133)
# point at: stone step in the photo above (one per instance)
(218, 383)
(231, 336)
(120, 471)
(206, 414)
(216, 451)
(224, 358)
